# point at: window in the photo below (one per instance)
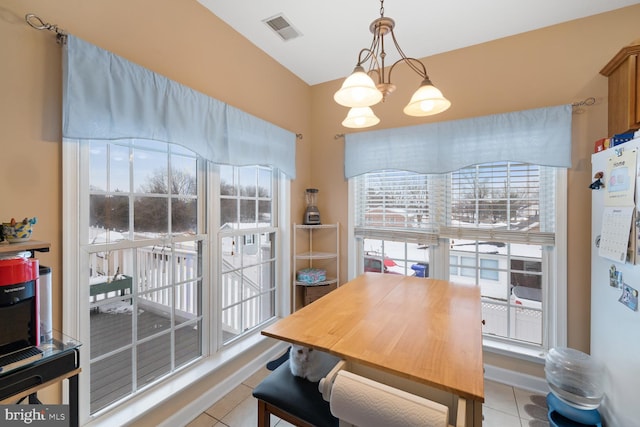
(489, 269)
(248, 244)
(468, 268)
(144, 289)
(493, 225)
(145, 265)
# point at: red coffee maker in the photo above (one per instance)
(19, 311)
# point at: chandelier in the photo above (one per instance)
(360, 92)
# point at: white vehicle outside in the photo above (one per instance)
(525, 297)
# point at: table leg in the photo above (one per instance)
(73, 401)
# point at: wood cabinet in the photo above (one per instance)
(623, 72)
(315, 247)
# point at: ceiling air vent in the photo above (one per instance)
(282, 27)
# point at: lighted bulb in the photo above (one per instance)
(358, 90)
(358, 94)
(427, 105)
(427, 100)
(360, 117)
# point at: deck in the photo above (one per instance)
(111, 335)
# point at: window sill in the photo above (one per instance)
(258, 348)
(513, 350)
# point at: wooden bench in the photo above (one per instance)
(121, 286)
(294, 399)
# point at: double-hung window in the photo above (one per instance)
(491, 225)
(142, 251)
(150, 303)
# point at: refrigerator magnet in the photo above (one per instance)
(629, 297)
(615, 277)
(597, 184)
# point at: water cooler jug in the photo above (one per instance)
(576, 389)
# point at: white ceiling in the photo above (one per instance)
(334, 31)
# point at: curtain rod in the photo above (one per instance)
(35, 22)
(578, 105)
(585, 102)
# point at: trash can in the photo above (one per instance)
(421, 269)
(44, 296)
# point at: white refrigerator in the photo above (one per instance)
(615, 282)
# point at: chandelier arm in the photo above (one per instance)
(370, 50)
(374, 61)
(422, 71)
(369, 54)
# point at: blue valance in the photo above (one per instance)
(540, 136)
(108, 97)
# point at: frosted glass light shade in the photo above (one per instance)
(426, 101)
(360, 117)
(358, 90)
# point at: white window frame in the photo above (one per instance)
(555, 321)
(75, 315)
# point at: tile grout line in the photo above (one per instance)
(515, 399)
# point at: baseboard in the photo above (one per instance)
(516, 379)
(235, 376)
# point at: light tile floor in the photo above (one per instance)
(504, 406)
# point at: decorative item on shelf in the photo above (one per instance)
(15, 231)
(359, 91)
(601, 145)
(621, 138)
(312, 276)
(312, 214)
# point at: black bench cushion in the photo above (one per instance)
(298, 396)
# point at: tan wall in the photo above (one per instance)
(552, 66)
(185, 42)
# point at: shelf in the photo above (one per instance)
(307, 239)
(30, 245)
(316, 255)
(313, 285)
(312, 226)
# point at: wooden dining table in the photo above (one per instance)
(421, 330)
